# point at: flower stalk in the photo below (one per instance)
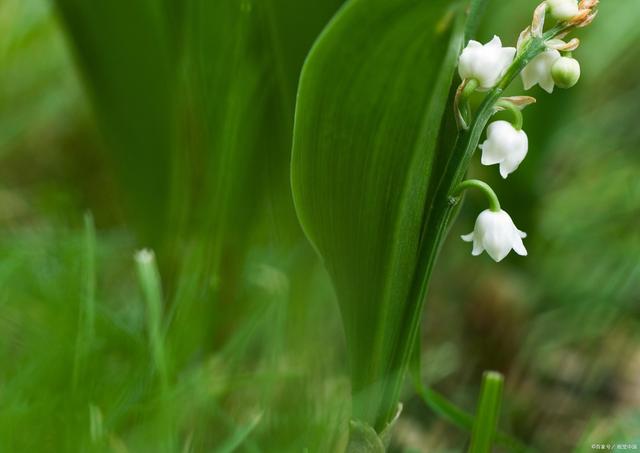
(494, 203)
(509, 106)
(440, 215)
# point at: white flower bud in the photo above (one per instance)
(505, 145)
(496, 233)
(485, 63)
(565, 72)
(563, 9)
(538, 71)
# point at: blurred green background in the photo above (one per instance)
(178, 138)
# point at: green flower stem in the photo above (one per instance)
(469, 88)
(488, 413)
(435, 227)
(515, 111)
(494, 203)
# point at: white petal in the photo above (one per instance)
(495, 42)
(524, 144)
(489, 156)
(522, 234)
(498, 253)
(467, 237)
(497, 242)
(528, 79)
(539, 70)
(505, 169)
(547, 84)
(506, 57)
(518, 246)
(477, 248)
(473, 44)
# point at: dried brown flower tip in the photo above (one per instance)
(537, 24)
(519, 101)
(576, 20)
(524, 36)
(562, 46)
(588, 20)
(588, 4)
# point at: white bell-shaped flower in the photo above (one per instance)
(485, 63)
(563, 9)
(538, 71)
(505, 145)
(496, 233)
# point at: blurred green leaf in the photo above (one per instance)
(364, 439)
(370, 104)
(125, 53)
(241, 62)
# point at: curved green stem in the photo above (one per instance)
(514, 110)
(469, 88)
(461, 105)
(494, 203)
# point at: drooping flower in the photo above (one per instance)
(485, 63)
(538, 71)
(563, 9)
(505, 145)
(565, 72)
(496, 233)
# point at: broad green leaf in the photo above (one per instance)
(370, 105)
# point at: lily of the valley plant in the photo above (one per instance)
(541, 58)
(376, 182)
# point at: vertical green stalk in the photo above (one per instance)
(149, 279)
(488, 413)
(435, 226)
(87, 315)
